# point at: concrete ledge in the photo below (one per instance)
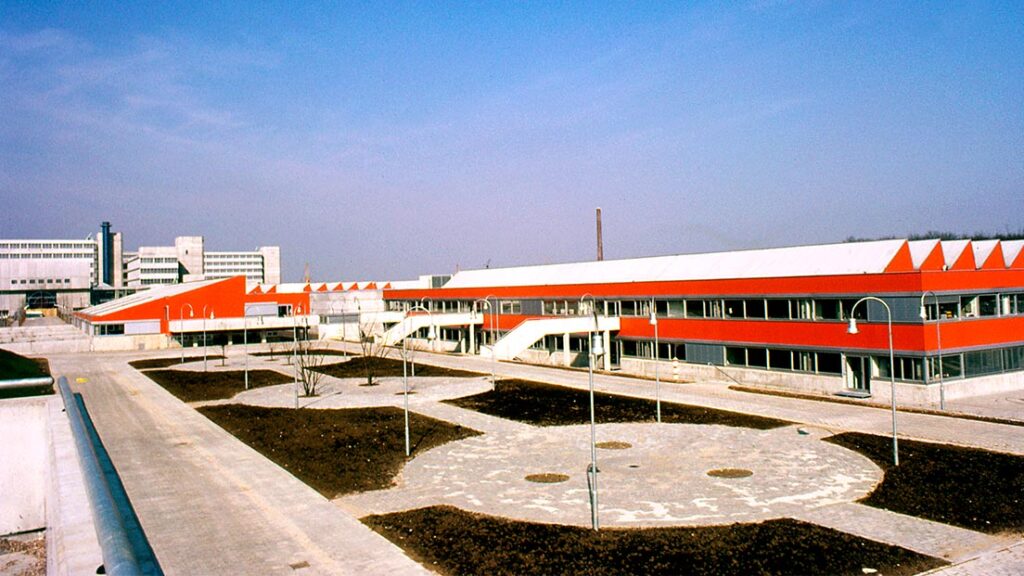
(71, 543)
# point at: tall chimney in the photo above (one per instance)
(107, 246)
(600, 240)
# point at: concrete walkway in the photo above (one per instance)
(208, 503)
(932, 538)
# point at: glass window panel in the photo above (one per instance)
(982, 362)
(695, 308)
(755, 308)
(734, 309)
(677, 308)
(778, 309)
(830, 363)
(780, 359)
(757, 357)
(988, 305)
(827, 309)
(736, 356)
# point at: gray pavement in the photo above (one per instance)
(208, 503)
(233, 490)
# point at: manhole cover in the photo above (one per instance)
(730, 473)
(547, 478)
(614, 445)
(634, 465)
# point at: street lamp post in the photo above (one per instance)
(204, 334)
(596, 350)
(938, 342)
(295, 356)
(405, 372)
(181, 320)
(494, 356)
(344, 332)
(657, 375)
(892, 366)
(245, 344)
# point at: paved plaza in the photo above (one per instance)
(650, 474)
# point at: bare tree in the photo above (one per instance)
(272, 347)
(310, 360)
(373, 351)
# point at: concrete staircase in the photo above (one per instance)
(528, 332)
(414, 322)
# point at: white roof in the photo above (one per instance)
(982, 250)
(920, 250)
(819, 260)
(952, 249)
(155, 293)
(1011, 249)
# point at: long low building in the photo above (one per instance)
(778, 317)
(775, 317)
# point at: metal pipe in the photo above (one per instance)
(27, 382)
(118, 553)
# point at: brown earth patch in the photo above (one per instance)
(453, 541)
(191, 386)
(335, 451)
(967, 487)
(543, 404)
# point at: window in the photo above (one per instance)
(982, 362)
(734, 309)
(988, 305)
(778, 309)
(735, 356)
(757, 357)
(827, 309)
(755, 308)
(695, 308)
(629, 308)
(677, 308)
(780, 359)
(830, 363)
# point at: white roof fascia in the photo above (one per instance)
(817, 260)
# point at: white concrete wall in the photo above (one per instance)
(23, 475)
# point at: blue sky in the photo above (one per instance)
(387, 140)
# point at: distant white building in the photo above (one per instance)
(73, 274)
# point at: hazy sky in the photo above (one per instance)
(382, 141)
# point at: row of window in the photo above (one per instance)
(47, 245)
(975, 306)
(41, 281)
(159, 260)
(47, 256)
(454, 306)
(906, 368)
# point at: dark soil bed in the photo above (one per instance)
(151, 363)
(191, 386)
(548, 405)
(15, 366)
(965, 487)
(456, 542)
(389, 367)
(335, 451)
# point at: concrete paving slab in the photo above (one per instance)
(932, 538)
(208, 503)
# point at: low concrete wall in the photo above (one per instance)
(138, 342)
(549, 358)
(23, 451)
